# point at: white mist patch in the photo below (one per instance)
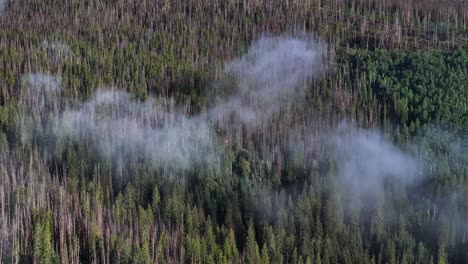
(366, 160)
(115, 125)
(59, 49)
(120, 126)
(40, 99)
(268, 75)
(41, 93)
(39, 83)
(273, 66)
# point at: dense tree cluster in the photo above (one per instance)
(408, 85)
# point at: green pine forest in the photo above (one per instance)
(269, 192)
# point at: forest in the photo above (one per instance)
(240, 131)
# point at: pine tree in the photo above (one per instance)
(252, 252)
(265, 254)
(230, 248)
(43, 247)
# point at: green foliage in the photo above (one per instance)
(43, 244)
(398, 63)
(418, 88)
(252, 252)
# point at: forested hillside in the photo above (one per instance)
(245, 131)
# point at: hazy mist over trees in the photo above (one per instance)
(287, 131)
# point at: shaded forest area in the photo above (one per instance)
(115, 147)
